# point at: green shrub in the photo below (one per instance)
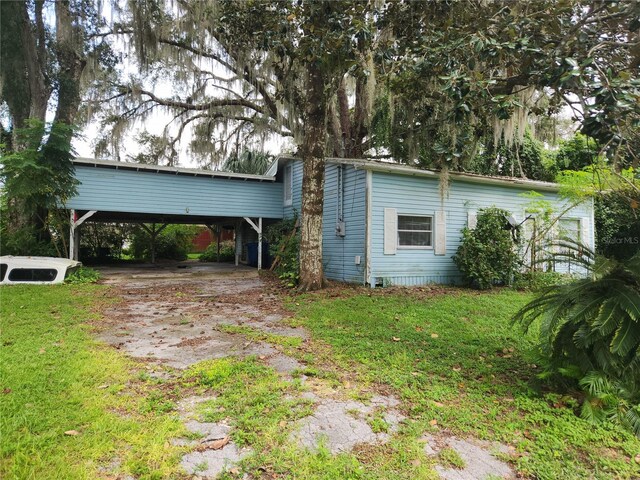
(590, 335)
(488, 255)
(535, 279)
(227, 252)
(283, 245)
(173, 243)
(83, 275)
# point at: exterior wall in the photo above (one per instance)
(339, 252)
(296, 185)
(111, 190)
(414, 195)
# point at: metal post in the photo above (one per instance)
(219, 232)
(238, 236)
(72, 234)
(259, 243)
(76, 245)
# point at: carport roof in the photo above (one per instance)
(192, 172)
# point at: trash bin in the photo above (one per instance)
(252, 255)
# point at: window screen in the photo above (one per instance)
(569, 228)
(33, 274)
(415, 231)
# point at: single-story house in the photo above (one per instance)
(384, 223)
(389, 224)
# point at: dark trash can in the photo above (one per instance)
(252, 255)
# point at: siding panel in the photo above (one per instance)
(160, 193)
(420, 196)
(339, 253)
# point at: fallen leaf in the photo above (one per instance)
(637, 459)
(102, 387)
(506, 356)
(456, 369)
(418, 329)
(234, 471)
(415, 374)
(434, 335)
(262, 357)
(283, 423)
(72, 433)
(433, 422)
(395, 339)
(438, 404)
(41, 351)
(214, 445)
(6, 391)
(415, 462)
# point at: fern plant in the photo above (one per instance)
(590, 333)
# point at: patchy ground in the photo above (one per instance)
(174, 318)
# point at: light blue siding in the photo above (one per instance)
(296, 186)
(339, 253)
(420, 196)
(111, 190)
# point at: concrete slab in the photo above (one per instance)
(341, 425)
(480, 462)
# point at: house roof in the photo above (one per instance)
(399, 169)
(170, 170)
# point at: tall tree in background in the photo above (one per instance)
(45, 51)
(460, 74)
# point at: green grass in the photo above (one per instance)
(452, 358)
(193, 256)
(54, 378)
(455, 358)
(450, 458)
(261, 336)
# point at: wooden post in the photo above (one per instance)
(72, 235)
(259, 243)
(218, 238)
(74, 232)
(238, 235)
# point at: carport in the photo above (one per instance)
(112, 191)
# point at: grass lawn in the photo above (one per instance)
(452, 358)
(54, 379)
(456, 360)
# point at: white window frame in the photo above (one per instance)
(288, 189)
(415, 247)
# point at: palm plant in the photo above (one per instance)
(249, 162)
(589, 332)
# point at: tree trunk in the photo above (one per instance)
(313, 150)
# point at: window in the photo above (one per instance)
(33, 274)
(415, 231)
(288, 184)
(3, 270)
(569, 228)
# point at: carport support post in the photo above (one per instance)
(260, 243)
(258, 229)
(74, 232)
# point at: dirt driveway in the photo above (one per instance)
(177, 315)
(180, 314)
